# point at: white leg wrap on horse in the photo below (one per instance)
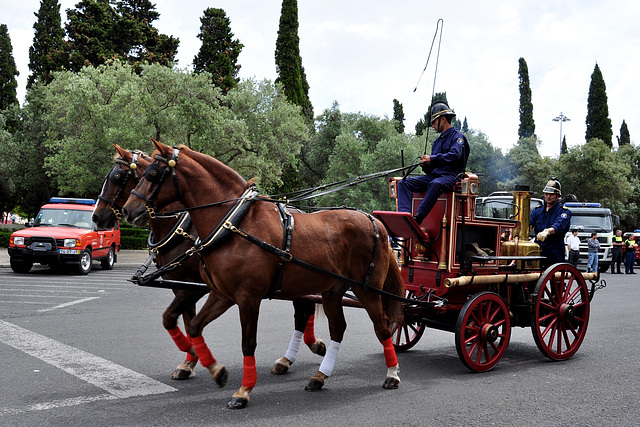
(394, 372)
(326, 367)
(294, 346)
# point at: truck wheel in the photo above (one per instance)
(603, 267)
(107, 263)
(84, 266)
(21, 266)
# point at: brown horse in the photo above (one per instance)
(170, 242)
(349, 246)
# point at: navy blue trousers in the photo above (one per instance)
(434, 187)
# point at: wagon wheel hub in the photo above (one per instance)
(489, 332)
(566, 311)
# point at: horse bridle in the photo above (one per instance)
(120, 177)
(157, 174)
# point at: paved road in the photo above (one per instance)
(91, 350)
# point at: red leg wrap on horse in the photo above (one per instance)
(190, 357)
(389, 353)
(249, 375)
(183, 343)
(203, 352)
(309, 336)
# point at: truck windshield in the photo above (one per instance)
(64, 218)
(599, 223)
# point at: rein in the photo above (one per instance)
(235, 215)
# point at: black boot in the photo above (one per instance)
(418, 218)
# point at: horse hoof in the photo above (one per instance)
(237, 403)
(222, 377)
(319, 348)
(391, 383)
(314, 385)
(180, 374)
(279, 369)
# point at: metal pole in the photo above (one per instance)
(561, 118)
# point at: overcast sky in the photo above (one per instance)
(363, 54)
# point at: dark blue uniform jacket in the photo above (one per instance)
(557, 217)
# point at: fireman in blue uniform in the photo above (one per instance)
(448, 159)
(550, 223)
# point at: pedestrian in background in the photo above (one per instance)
(616, 252)
(573, 245)
(593, 246)
(630, 246)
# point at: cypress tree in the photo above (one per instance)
(288, 61)
(563, 146)
(97, 33)
(625, 137)
(398, 116)
(8, 71)
(46, 54)
(465, 125)
(137, 40)
(527, 125)
(219, 52)
(92, 34)
(598, 121)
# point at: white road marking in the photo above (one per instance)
(62, 403)
(67, 304)
(119, 382)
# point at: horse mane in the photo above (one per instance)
(140, 153)
(213, 164)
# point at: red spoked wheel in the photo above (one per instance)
(406, 335)
(560, 313)
(483, 331)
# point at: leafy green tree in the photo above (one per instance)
(314, 156)
(625, 137)
(527, 126)
(257, 132)
(34, 187)
(398, 116)
(288, 61)
(465, 126)
(8, 71)
(628, 156)
(8, 168)
(525, 166)
(366, 144)
(607, 182)
(485, 160)
(219, 51)
(598, 121)
(46, 54)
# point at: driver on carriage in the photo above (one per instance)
(448, 159)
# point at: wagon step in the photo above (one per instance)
(401, 224)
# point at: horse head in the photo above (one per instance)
(123, 177)
(174, 170)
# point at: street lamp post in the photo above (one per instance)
(561, 118)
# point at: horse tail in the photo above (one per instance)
(394, 285)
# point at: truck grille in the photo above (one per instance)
(55, 243)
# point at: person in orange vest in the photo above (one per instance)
(630, 246)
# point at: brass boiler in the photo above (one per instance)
(520, 245)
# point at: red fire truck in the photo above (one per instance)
(64, 234)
